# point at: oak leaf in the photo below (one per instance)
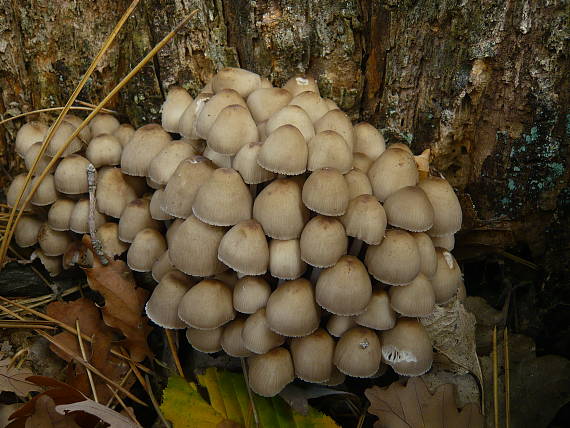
(13, 379)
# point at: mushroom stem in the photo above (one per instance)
(355, 247)
(253, 190)
(95, 242)
(315, 274)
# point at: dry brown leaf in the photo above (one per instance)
(412, 406)
(113, 418)
(13, 379)
(45, 416)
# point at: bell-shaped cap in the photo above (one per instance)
(263, 102)
(271, 372)
(156, 211)
(173, 230)
(257, 336)
(59, 138)
(136, 217)
(187, 122)
(29, 134)
(365, 219)
(447, 242)
(184, 184)
(338, 121)
(79, 218)
(285, 259)
(284, 151)
(327, 149)
(207, 305)
(113, 192)
(108, 235)
(165, 163)
(85, 134)
(234, 127)
(280, 210)
(312, 103)
(428, 257)
(358, 353)
(71, 175)
(31, 155)
(51, 263)
(212, 108)
(393, 170)
(298, 84)
(447, 277)
(446, 207)
(242, 81)
(417, 299)
(103, 124)
(145, 144)
(162, 306)
(46, 194)
(250, 294)
(206, 341)
(361, 162)
(338, 324)
(177, 100)
(232, 342)
(396, 261)
(378, 314)
(291, 309)
(194, 248)
(244, 248)
(245, 162)
(59, 214)
(104, 150)
(323, 241)
(146, 248)
(368, 140)
(409, 209)
(400, 146)
(53, 242)
(27, 230)
(407, 348)
(294, 116)
(16, 187)
(345, 288)
(162, 266)
(124, 133)
(224, 199)
(326, 192)
(313, 356)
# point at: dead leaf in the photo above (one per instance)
(5, 411)
(45, 416)
(412, 406)
(114, 419)
(13, 379)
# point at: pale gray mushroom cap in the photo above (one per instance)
(29, 134)
(358, 352)
(271, 372)
(162, 306)
(145, 144)
(323, 241)
(392, 170)
(313, 356)
(177, 100)
(326, 192)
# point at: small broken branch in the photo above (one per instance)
(95, 242)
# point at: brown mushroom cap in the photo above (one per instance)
(271, 372)
(79, 218)
(71, 175)
(103, 124)
(446, 207)
(297, 84)
(17, 185)
(257, 336)
(428, 257)
(291, 309)
(145, 144)
(51, 263)
(232, 342)
(162, 306)
(338, 121)
(53, 242)
(155, 202)
(407, 348)
(207, 341)
(29, 134)
(30, 157)
(312, 103)
(361, 162)
(338, 324)
(294, 116)
(323, 241)
(392, 170)
(124, 133)
(368, 140)
(396, 261)
(136, 217)
(177, 100)
(280, 210)
(59, 138)
(327, 149)
(187, 122)
(263, 102)
(447, 277)
(250, 294)
(108, 235)
(211, 109)
(162, 266)
(358, 352)
(242, 81)
(46, 193)
(244, 248)
(166, 162)
(417, 299)
(234, 127)
(207, 305)
(113, 192)
(284, 151)
(173, 230)
(104, 149)
(410, 209)
(326, 192)
(224, 199)
(378, 314)
(313, 356)
(147, 247)
(59, 214)
(27, 230)
(447, 242)
(285, 259)
(245, 162)
(345, 288)
(365, 219)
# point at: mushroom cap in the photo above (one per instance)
(60, 136)
(368, 140)
(285, 259)
(176, 102)
(291, 309)
(417, 299)
(378, 314)
(113, 192)
(242, 81)
(162, 266)
(280, 210)
(294, 116)
(145, 144)
(103, 124)
(207, 305)
(428, 257)
(358, 352)
(446, 207)
(257, 336)
(284, 151)
(194, 248)
(79, 218)
(224, 199)
(108, 235)
(30, 157)
(162, 306)
(323, 241)
(211, 109)
(206, 341)
(234, 127)
(232, 342)
(338, 324)
(447, 242)
(313, 356)
(327, 149)
(71, 175)
(46, 193)
(245, 162)
(147, 247)
(361, 162)
(244, 248)
(155, 203)
(75, 121)
(410, 209)
(365, 219)
(53, 242)
(136, 217)
(407, 348)
(262, 131)
(263, 102)
(250, 294)
(173, 230)
(447, 277)
(392, 170)
(297, 84)
(271, 372)
(396, 261)
(59, 214)
(17, 185)
(312, 103)
(400, 146)
(326, 192)
(124, 133)
(338, 121)
(51, 263)
(187, 122)
(166, 162)
(345, 288)
(27, 230)
(184, 184)
(104, 149)
(265, 83)
(218, 159)
(29, 134)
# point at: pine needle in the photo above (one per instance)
(173, 351)
(507, 378)
(84, 355)
(90, 107)
(495, 379)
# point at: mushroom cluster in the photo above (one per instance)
(276, 229)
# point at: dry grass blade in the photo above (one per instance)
(155, 404)
(249, 393)
(84, 355)
(37, 272)
(127, 409)
(507, 378)
(173, 351)
(27, 324)
(495, 379)
(88, 107)
(13, 222)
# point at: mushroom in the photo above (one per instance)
(238, 79)
(365, 220)
(428, 257)
(60, 136)
(30, 158)
(17, 186)
(162, 266)
(71, 175)
(187, 121)
(417, 299)
(232, 342)
(284, 151)
(326, 192)
(368, 141)
(46, 193)
(124, 133)
(327, 149)
(244, 248)
(446, 207)
(323, 241)
(285, 259)
(311, 103)
(113, 192)
(79, 218)
(147, 247)
(361, 162)
(51, 263)
(245, 162)
(218, 159)
(53, 242)
(447, 277)
(103, 124)
(271, 372)
(263, 102)
(27, 230)
(155, 202)
(207, 305)
(358, 353)
(177, 100)
(60, 213)
(234, 127)
(338, 324)
(250, 294)
(400, 146)
(108, 235)
(338, 121)
(29, 134)
(212, 108)
(166, 162)
(313, 356)
(446, 242)
(134, 218)
(257, 336)
(378, 314)
(409, 209)
(392, 170)
(206, 341)
(162, 306)
(105, 149)
(147, 142)
(294, 116)
(297, 84)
